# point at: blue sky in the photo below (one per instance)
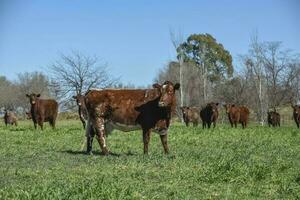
(132, 36)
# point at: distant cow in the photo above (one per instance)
(128, 110)
(28, 115)
(190, 114)
(10, 118)
(237, 114)
(42, 110)
(273, 118)
(296, 114)
(209, 114)
(82, 112)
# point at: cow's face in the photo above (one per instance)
(184, 110)
(296, 109)
(79, 99)
(33, 97)
(167, 91)
(228, 107)
(214, 107)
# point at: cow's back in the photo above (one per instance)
(48, 108)
(120, 105)
(193, 114)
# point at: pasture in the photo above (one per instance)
(221, 163)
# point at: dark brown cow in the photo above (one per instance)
(209, 114)
(129, 110)
(82, 112)
(42, 110)
(10, 118)
(190, 114)
(237, 114)
(296, 114)
(273, 118)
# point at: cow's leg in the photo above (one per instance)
(100, 133)
(214, 123)
(164, 141)
(90, 133)
(40, 123)
(235, 124)
(208, 124)
(146, 139)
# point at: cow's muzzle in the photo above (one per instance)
(161, 104)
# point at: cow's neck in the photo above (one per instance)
(34, 109)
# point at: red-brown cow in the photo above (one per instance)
(237, 114)
(82, 111)
(129, 110)
(273, 118)
(42, 110)
(190, 114)
(10, 118)
(296, 114)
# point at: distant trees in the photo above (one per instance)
(268, 77)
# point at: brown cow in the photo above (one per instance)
(42, 110)
(273, 118)
(28, 115)
(296, 114)
(10, 118)
(209, 114)
(82, 112)
(237, 115)
(128, 110)
(190, 114)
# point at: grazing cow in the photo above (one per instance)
(10, 118)
(273, 118)
(296, 114)
(42, 110)
(82, 112)
(129, 110)
(190, 114)
(237, 115)
(209, 114)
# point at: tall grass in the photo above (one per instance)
(221, 163)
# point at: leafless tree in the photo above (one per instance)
(77, 73)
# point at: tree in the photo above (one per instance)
(210, 57)
(76, 74)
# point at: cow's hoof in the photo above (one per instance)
(89, 153)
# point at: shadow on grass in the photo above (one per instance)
(96, 153)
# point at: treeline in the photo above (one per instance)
(267, 77)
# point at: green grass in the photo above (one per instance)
(224, 163)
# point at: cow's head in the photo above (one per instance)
(33, 97)
(79, 99)
(296, 109)
(228, 107)
(167, 91)
(184, 109)
(214, 107)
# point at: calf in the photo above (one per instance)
(296, 114)
(42, 110)
(10, 118)
(237, 115)
(82, 112)
(273, 119)
(190, 114)
(209, 114)
(28, 115)
(129, 110)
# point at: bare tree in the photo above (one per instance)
(77, 73)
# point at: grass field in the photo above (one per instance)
(224, 163)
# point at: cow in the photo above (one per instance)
(296, 114)
(209, 114)
(82, 112)
(237, 114)
(273, 118)
(190, 114)
(10, 118)
(42, 110)
(129, 110)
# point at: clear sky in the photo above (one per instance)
(132, 36)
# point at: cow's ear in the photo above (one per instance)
(188, 107)
(232, 105)
(38, 95)
(217, 104)
(156, 85)
(176, 86)
(27, 95)
(74, 97)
